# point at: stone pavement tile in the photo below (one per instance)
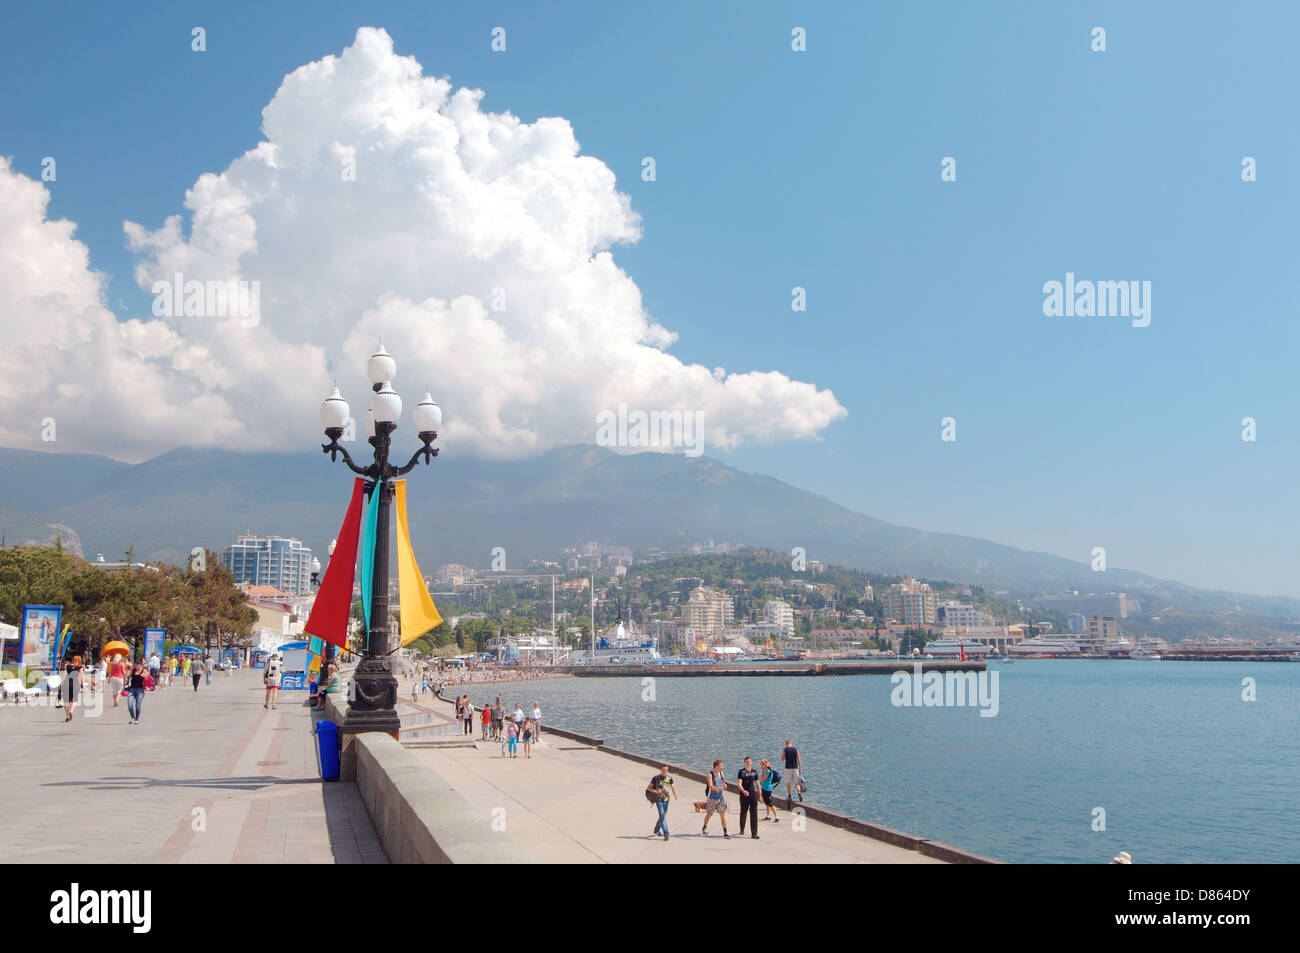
(215, 749)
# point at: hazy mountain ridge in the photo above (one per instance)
(461, 508)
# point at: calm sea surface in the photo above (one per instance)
(1186, 771)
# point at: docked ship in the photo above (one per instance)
(952, 648)
(1047, 646)
(620, 645)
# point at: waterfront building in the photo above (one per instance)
(911, 602)
(781, 614)
(279, 561)
(955, 615)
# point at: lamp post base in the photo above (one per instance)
(372, 703)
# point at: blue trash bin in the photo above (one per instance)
(327, 749)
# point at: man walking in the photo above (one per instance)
(793, 769)
(155, 665)
(208, 666)
(747, 782)
(196, 672)
(660, 785)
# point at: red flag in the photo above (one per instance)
(329, 615)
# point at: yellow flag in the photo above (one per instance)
(419, 614)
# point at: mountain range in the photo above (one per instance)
(461, 508)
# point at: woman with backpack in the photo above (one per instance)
(770, 778)
(716, 801)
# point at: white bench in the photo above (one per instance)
(15, 689)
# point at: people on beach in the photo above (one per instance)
(769, 777)
(793, 769)
(747, 785)
(70, 686)
(271, 679)
(661, 785)
(716, 801)
(135, 696)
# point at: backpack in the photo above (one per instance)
(651, 793)
(775, 779)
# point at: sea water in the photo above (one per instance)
(1166, 760)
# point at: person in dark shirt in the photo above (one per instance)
(136, 692)
(793, 768)
(747, 781)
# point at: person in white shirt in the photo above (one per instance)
(537, 721)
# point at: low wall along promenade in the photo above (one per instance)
(434, 796)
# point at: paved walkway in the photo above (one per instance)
(206, 777)
(571, 803)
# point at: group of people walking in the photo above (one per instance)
(512, 729)
(122, 677)
(753, 783)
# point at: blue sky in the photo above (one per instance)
(821, 170)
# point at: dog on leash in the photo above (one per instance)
(701, 806)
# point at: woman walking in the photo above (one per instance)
(271, 679)
(528, 739)
(716, 802)
(512, 734)
(70, 687)
(769, 778)
(135, 696)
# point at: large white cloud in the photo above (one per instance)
(381, 203)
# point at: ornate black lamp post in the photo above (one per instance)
(373, 706)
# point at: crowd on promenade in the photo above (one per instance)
(117, 677)
(753, 783)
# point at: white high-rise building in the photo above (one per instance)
(780, 613)
(708, 610)
(279, 561)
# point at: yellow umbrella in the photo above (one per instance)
(115, 648)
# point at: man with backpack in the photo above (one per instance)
(657, 792)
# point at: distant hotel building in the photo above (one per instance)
(276, 561)
(707, 611)
(954, 615)
(781, 614)
(911, 602)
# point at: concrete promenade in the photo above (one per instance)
(572, 803)
(206, 777)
